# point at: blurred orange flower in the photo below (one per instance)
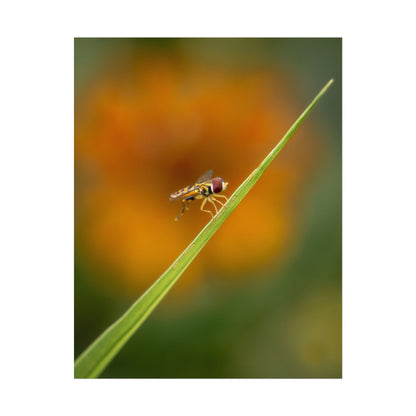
(156, 127)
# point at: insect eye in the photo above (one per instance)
(217, 185)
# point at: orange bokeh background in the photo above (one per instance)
(156, 127)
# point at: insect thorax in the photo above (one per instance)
(205, 190)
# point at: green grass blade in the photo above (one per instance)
(96, 357)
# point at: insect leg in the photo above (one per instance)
(212, 202)
(220, 196)
(216, 200)
(185, 208)
(202, 207)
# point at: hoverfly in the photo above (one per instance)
(204, 188)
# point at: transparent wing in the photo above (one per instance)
(205, 177)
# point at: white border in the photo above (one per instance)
(37, 207)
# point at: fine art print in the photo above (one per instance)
(208, 220)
